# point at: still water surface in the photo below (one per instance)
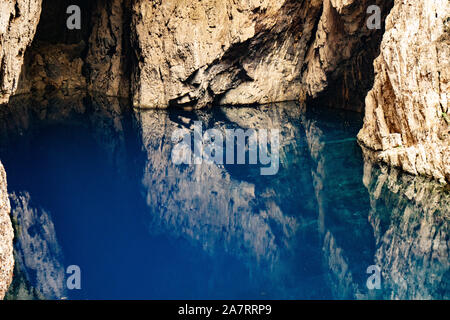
(93, 185)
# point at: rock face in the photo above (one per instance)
(338, 68)
(191, 53)
(240, 52)
(194, 52)
(108, 59)
(50, 66)
(407, 121)
(6, 237)
(18, 22)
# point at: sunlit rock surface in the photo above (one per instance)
(240, 52)
(18, 22)
(407, 119)
(338, 66)
(109, 57)
(193, 53)
(6, 237)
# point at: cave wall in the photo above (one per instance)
(192, 54)
(6, 237)
(56, 56)
(242, 52)
(406, 118)
(18, 22)
(338, 70)
(108, 60)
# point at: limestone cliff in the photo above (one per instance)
(406, 120)
(108, 59)
(18, 22)
(6, 237)
(191, 53)
(241, 52)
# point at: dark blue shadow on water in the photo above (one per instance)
(93, 184)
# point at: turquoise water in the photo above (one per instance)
(92, 184)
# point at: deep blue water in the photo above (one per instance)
(92, 185)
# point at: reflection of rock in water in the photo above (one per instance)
(401, 224)
(37, 253)
(249, 216)
(342, 201)
(22, 120)
(410, 217)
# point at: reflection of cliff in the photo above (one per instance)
(23, 123)
(342, 200)
(224, 207)
(393, 220)
(410, 217)
(37, 253)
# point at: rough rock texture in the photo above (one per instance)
(407, 119)
(191, 52)
(56, 57)
(52, 66)
(194, 53)
(241, 52)
(108, 58)
(18, 22)
(338, 67)
(6, 237)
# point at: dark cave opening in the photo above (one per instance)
(52, 26)
(55, 59)
(350, 83)
(95, 57)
